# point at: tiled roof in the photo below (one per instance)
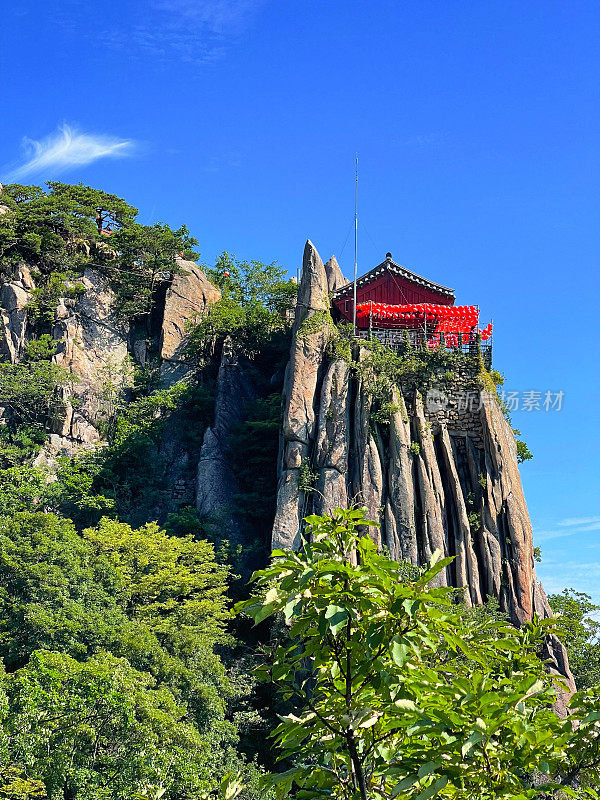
(390, 266)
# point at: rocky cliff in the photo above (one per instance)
(433, 475)
(99, 349)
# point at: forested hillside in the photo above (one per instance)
(124, 672)
(141, 413)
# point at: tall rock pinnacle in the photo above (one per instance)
(300, 394)
(335, 279)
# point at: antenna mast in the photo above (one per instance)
(355, 242)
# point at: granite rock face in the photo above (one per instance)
(13, 318)
(335, 278)
(92, 346)
(434, 479)
(215, 481)
(188, 297)
(332, 438)
(400, 522)
(98, 349)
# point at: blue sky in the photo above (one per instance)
(477, 128)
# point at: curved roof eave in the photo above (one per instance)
(391, 266)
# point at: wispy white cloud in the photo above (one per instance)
(594, 526)
(569, 527)
(546, 536)
(196, 31)
(578, 521)
(66, 148)
(218, 16)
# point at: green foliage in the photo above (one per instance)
(171, 583)
(489, 612)
(115, 377)
(53, 594)
(474, 518)
(30, 393)
(578, 626)
(64, 592)
(523, 452)
(40, 349)
(21, 489)
(19, 443)
(142, 613)
(85, 204)
(112, 730)
(29, 390)
(415, 448)
(76, 492)
(186, 521)
(63, 230)
(252, 450)
(382, 370)
(379, 368)
(253, 283)
(384, 413)
(316, 322)
(15, 785)
(306, 477)
(396, 693)
(254, 307)
(41, 309)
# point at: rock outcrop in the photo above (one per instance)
(215, 482)
(98, 348)
(335, 278)
(92, 346)
(300, 394)
(332, 439)
(435, 477)
(14, 298)
(187, 298)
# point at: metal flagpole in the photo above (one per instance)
(355, 241)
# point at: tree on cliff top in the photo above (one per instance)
(252, 283)
(44, 229)
(61, 231)
(396, 694)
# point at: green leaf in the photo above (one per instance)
(435, 787)
(473, 739)
(405, 783)
(400, 651)
(337, 617)
(428, 768)
(266, 611)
